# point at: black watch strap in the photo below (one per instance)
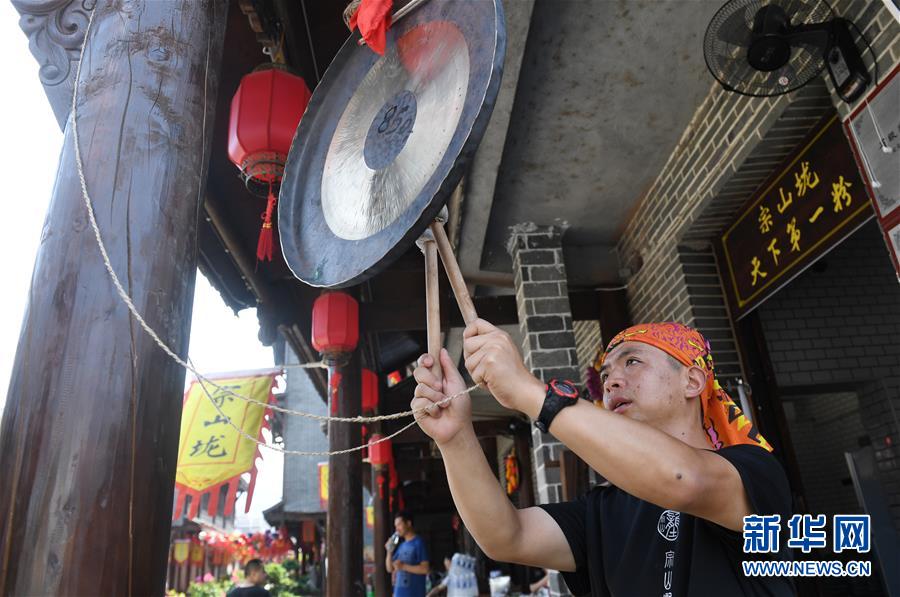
(560, 394)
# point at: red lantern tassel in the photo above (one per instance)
(213, 505)
(264, 247)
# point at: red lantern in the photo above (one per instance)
(380, 453)
(394, 479)
(335, 323)
(265, 112)
(309, 532)
(369, 391)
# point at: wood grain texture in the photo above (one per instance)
(344, 532)
(433, 306)
(454, 275)
(90, 431)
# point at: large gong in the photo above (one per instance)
(385, 140)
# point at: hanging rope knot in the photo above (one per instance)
(266, 240)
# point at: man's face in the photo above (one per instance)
(401, 526)
(258, 576)
(642, 382)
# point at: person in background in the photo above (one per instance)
(409, 560)
(254, 579)
(440, 586)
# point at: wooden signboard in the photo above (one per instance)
(893, 238)
(813, 202)
(874, 132)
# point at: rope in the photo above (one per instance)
(414, 413)
(188, 366)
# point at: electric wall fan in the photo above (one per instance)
(763, 48)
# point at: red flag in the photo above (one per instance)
(373, 18)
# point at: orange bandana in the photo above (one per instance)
(723, 420)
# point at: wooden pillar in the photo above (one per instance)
(383, 527)
(522, 444)
(90, 432)
(526, 471)
(483, 564)
(344, 534)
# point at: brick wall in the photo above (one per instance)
(839, 322)
(548, 340)
(545, 320)
(823, 427)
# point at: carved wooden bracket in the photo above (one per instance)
(55, 30)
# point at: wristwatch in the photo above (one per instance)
(560, 394)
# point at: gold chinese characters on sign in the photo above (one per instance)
(815, 201)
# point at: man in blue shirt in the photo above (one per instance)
(409, 560)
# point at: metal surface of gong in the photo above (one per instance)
(384, 140)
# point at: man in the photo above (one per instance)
(684, 465)
(254, 579)
(409, 560)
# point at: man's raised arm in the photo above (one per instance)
(529, 536)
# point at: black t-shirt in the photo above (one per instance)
(625, 546)
(254, 591)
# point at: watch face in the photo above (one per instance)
(564, 388)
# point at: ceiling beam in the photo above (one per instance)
(482, 178)
(409, 315)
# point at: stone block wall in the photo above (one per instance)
(548, 345)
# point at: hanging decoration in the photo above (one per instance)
(198, 553)
(335, 323)
(369, 391)
(270, 545)
(211, 453)
(373, 17)
(323, 486)
(370, 515)
(511, 472)
(180, 550)
(265, 112)
(380, 453)
(364, 433)
(334, 392)
(308, 530)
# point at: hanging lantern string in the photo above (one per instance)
(152, 333)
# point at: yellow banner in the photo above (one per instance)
(323, 485)
(210, 450)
